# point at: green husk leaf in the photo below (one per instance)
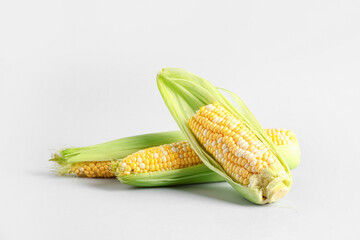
(291, 153)
(184, 93)
(116, 149)
(190, 175)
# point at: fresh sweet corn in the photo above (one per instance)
(76, 160)
(227, 138)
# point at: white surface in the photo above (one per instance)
(76, 73)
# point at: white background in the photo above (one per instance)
(76, 73)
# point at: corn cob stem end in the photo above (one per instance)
(273, 185)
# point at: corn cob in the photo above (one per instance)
(79, 160)
(240, 153)
(228, 139)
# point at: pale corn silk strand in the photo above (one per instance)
(163, 158)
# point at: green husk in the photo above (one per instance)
(116, 149)
(190, 175)
(291, 154)
(184, 93)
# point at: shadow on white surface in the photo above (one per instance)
(216, 191)
(110, 184)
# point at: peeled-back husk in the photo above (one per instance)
(189, 175)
